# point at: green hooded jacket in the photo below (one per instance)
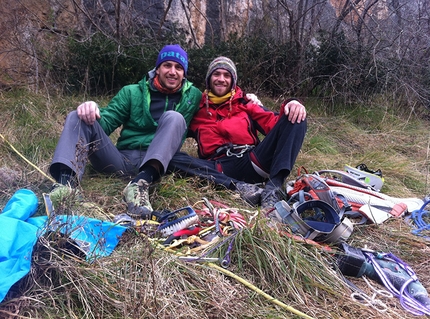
(131, 109)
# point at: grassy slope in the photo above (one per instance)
(138, 281)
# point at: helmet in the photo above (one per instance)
(341, 232)
(315, 220)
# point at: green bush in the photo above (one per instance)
(331, 68)
(101, 65)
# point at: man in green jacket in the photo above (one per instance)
(153, 115)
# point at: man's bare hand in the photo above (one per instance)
(88, 112)
(253, 98)
(295, 111)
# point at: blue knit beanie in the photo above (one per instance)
(222, 63)
(173, 52)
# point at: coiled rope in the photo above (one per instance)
(418, 217)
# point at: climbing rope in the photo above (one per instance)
(418, 217)
(259, 291)
(25, 159)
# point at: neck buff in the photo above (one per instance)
(162, 89)
(218, 99)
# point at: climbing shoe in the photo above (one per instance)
(136, 197)
(251, 193)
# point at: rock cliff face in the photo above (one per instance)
(29, 26)
(199, 20)
(379, 10)
(206, 20)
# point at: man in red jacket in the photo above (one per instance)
(230, 151)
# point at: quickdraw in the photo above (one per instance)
(225, 262)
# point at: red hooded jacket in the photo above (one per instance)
(233, 122)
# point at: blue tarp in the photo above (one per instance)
(19, 232)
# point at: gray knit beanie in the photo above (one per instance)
(222, 63)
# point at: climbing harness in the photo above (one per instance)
(230, 149)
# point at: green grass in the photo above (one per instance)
(140, 280)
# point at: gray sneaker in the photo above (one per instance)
(136, 196)
(269, 198)
(251, 193)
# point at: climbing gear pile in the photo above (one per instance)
(190, 231)
(369, 205)
(319, 209)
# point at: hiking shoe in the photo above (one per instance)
(60, 190)
(251, 193)
(63, 193)
(269, 198)
(136, 196)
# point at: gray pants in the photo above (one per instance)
(80, 142)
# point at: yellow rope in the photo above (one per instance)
(259, 291)
(25, 159)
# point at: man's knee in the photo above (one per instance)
(284, 123)
(173, 118)
(72, 117)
